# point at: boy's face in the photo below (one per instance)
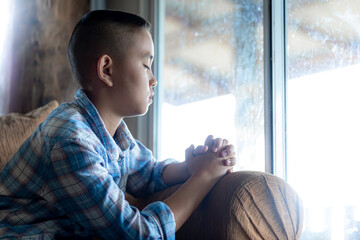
(133, 78)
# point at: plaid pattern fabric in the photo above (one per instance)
(69, 178)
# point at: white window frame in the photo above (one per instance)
(275, 41)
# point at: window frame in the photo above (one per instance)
(275, 42)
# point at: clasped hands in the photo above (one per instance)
(214, 159)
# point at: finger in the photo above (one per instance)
(230, 162)
(209, 141)
(233, 161)
(189, 152)
(200, 149)
(228, 150)
(218, 142)
(227, 162)
(225, 142)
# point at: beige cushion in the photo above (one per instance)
(243, 205)
(15, 128)
(265, 207)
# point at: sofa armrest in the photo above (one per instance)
(242, 205)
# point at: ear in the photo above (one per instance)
(104, 69)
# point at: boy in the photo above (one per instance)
(69, 178)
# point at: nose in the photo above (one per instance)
(153, 82)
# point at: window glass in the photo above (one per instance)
(5, 22)
(213, 80)
(323, 114)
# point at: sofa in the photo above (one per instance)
(242, 205)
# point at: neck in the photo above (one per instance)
(111, 120)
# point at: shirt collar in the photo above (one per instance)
(122, 138)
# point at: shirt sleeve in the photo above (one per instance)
(82, 188)
(145, 172)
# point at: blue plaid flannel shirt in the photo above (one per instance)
(69, 179)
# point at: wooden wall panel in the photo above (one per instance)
(40, 67)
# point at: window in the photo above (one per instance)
(323, 114)
(213, 81)
(5, 13)
(222, 62)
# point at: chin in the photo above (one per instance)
(141, 112)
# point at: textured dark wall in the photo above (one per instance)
(40, 67)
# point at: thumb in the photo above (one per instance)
(189, 152)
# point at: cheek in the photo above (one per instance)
(134, 82)
(142, 83)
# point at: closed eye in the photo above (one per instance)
(146, 66)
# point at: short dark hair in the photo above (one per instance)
(101, 32)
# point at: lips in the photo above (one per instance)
(151, 96)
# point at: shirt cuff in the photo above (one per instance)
(164, 218)
(158, 171)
